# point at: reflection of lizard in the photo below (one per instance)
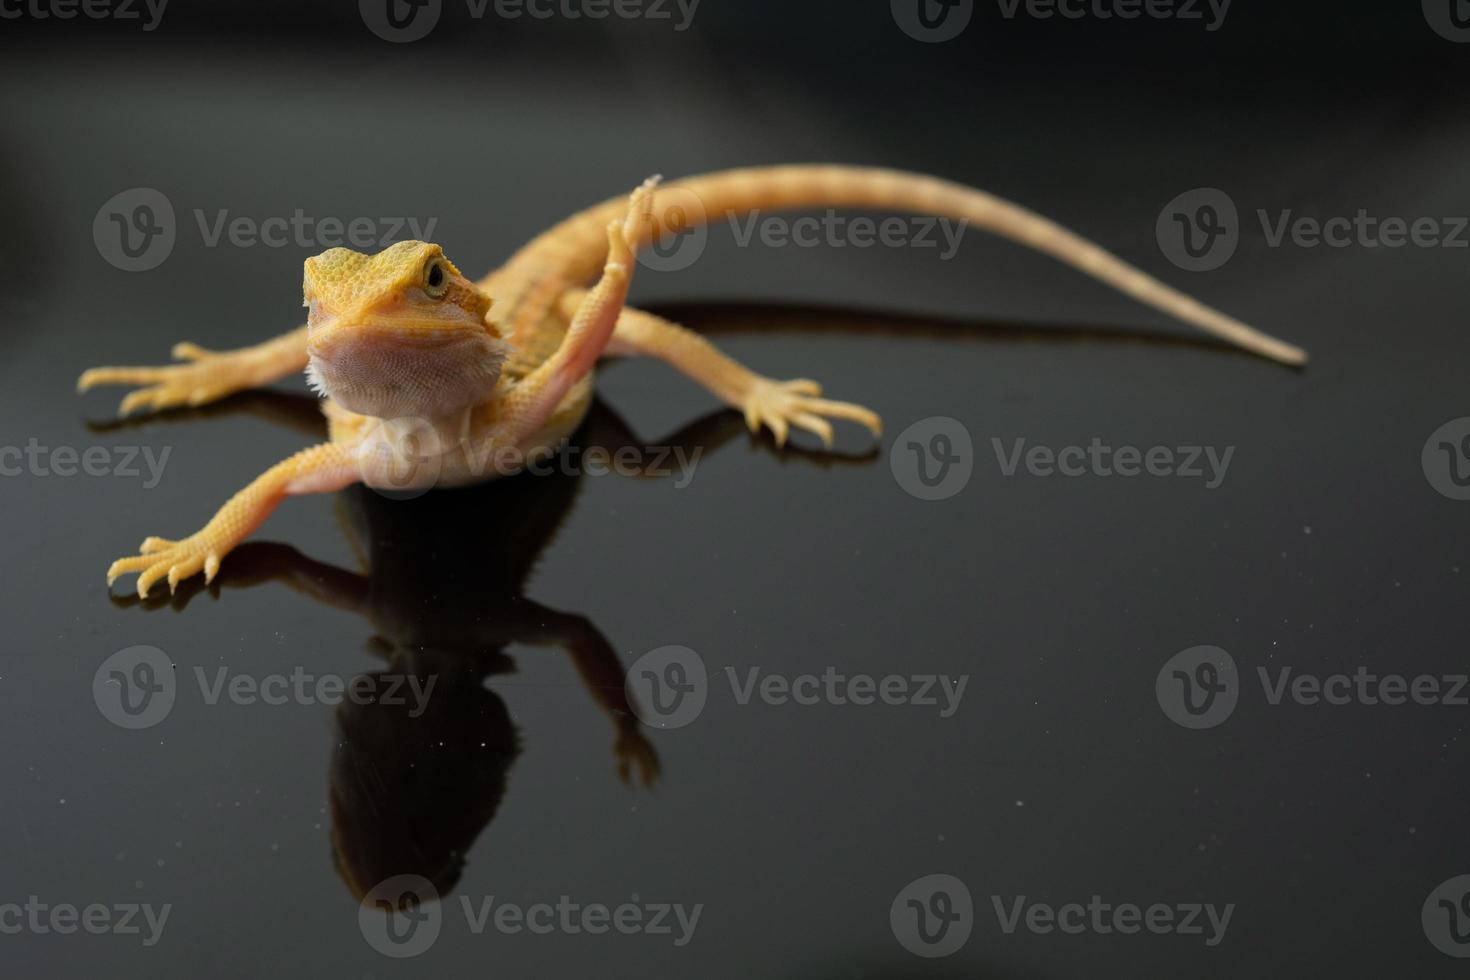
(414, 783)
(419, 377)
(409, 793)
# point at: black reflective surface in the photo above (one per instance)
(794, 828)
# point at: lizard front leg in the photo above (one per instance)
(320, 469)
(530, 404)
(207, 375)
(778, 405)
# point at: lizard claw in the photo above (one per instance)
(185, 351)
(778, 405)
(174, 560)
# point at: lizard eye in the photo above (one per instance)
(436, 283)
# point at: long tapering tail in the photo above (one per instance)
(576, 247)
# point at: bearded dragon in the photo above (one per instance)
(423, 386)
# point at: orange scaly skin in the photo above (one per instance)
(421, 376)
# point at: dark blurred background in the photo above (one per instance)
(1327, 548)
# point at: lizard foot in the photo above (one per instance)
(178, 560)
(637, 760)
(319, 469)
(778, 405)
(207, 376)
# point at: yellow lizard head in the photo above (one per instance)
(400, 333)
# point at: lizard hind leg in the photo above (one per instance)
(776, 405)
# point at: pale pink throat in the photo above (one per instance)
(373, 372)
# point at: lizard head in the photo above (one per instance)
(400, 333)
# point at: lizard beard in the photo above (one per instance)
(389, 379)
